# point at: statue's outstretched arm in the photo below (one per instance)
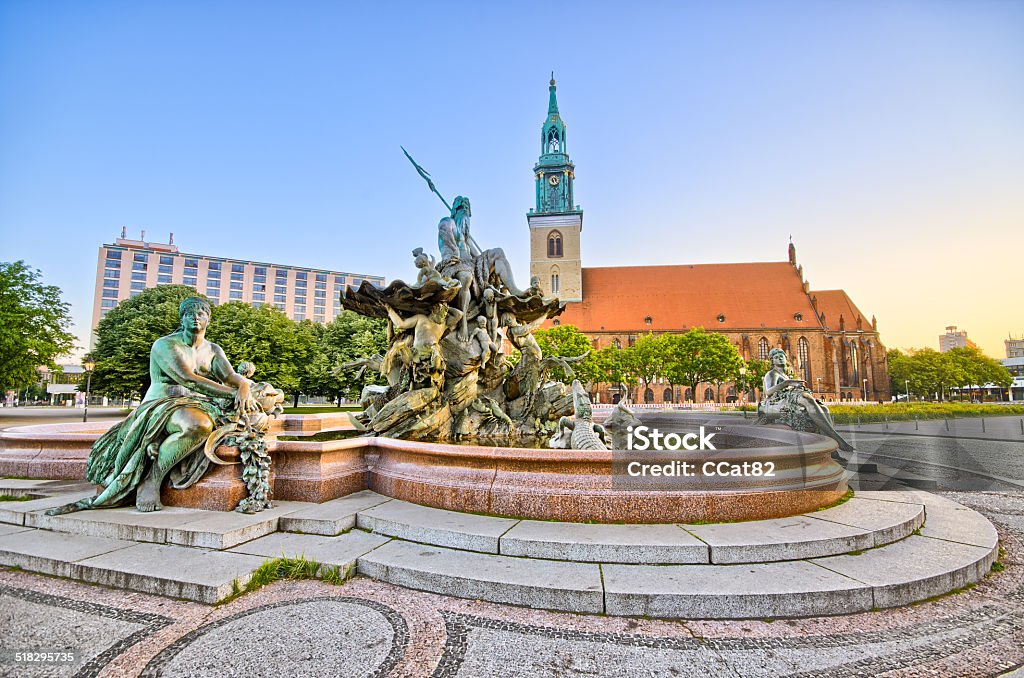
(173, 364)
(223, 370)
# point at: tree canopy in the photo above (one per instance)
(125, 335)
(568, 341)
(34, 325)
(280, 348)
(927, 372)
(701, 357)
(348, 337)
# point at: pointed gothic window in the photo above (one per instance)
(554, 283)
(762, 349)
(553, 141)
(804, 355)
(554, 244)
(855, 365)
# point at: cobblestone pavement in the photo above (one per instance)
(368, 628)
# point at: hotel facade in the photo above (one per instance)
(126, 267)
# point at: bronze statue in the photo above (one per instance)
(788, 401)
(193, 391)
(445, 384)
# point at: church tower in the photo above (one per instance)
(556, 221)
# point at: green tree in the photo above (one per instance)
(756, 369)
(970, 367)
(280, 348)
(702, 357)
(568, 341)
(647, 359)
(348, 337)
(34, 325)
(125, 335)
(614, 366)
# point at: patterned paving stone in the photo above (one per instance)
(326, 637)
(95, 633)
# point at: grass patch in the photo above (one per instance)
(288, 568)
(842, 500)
(322, 409)
(856, 552)
(11, 497)
(874, 414)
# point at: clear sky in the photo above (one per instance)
(886, 137)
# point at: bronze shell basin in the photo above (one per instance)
(541, 484)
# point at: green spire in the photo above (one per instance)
(554, 171)
(552, 100)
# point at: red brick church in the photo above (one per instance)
(831, 343)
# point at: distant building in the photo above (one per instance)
(127, 267)
(832, 344)
(1016, 367)
(62, 384)
(1014, 347)
(954, 338)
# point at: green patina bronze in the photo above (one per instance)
(195, 401)
(554, 173)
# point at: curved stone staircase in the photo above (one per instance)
(879, 549)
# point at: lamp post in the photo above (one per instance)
(88, 365)
(743, 387)
(865, 390)
(907, 384)
(818, 382)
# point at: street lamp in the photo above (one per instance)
(743, 387)
(907, 383)
(818, 382)
(865, 390)
(89, 365)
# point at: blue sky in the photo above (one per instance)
(886, 137)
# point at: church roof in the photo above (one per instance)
(750, 296)
(834, 303)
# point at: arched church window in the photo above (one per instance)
(667, 395)
(804, 355)
(648, 396)
(553, 144)
(554, 283)
(763, 348)
(688, 396)
(556, 322)
(709, 395)
(854, 365)
(554, 244)
(618, 343)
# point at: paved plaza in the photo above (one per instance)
(369, 627)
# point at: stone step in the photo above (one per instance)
(341, 551)
(412, 522)
(546, 584)
(172, 525)
(332, 517)
(603, 543)
(177, 571)
(956, 547)
(855, 525)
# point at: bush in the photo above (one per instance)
(850, 414)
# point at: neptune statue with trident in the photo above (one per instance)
(462, 259)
